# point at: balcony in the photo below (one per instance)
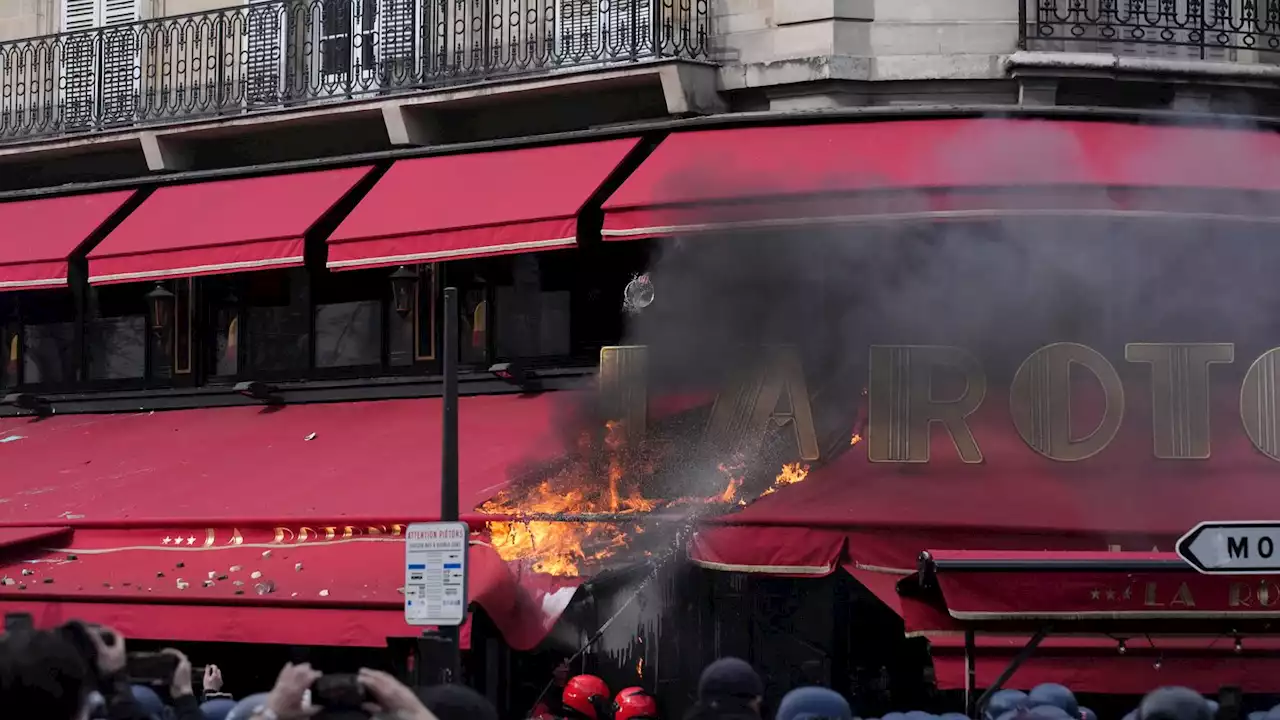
(1214, 30)
(275, 54)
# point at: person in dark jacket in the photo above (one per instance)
(729, 689)
(43, 676)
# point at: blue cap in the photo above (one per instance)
(217, 709)
(814, 703)
(244, 709)
(1174, 703)
(148, 701)
(1003, 701)
(1054, 695)
(730, 678)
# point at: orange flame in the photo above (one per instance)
(640, 667)
(791, 474)
(566, 547)
(855, 439)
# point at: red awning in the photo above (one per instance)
(882, 515)
(313, 497)
(1004, 591)
(945, 168)
(220, 227)
(474, 205)
(37, 236)
(1094, 664)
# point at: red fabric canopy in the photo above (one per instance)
(463, 206)
(944, 168)
(220, 227)
(37, 236)
(1095, 665)
(327, 487)
(885, 514)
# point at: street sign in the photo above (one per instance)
(1233, 548)
(435, 573)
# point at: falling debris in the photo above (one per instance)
(208, 583)
(236, 568)
(266, 554)
(183, 584)
(12, 438)
(48, 581)
(255, 575)
(265, 588)
(310, 437)
(857, 438)
(324, 593)
(298, 567)
(212, 574)
(7, 581)
(27, 572)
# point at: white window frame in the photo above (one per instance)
(100, 15)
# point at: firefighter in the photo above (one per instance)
(587, 697)
(634, 703)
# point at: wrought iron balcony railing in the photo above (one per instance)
(1225, 30)
(278, 53)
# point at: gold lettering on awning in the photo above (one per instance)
(624, 387)
(901, 407)
(753, 401)
(1040, 401)
(1180, 394)
(1258, 407)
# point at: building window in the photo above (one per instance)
(276, 332)
(47, 331)
(116, 331)
(350, 316)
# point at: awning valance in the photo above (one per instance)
(38, 236)
(221, 226)
(877, 170)
(232, 524)
(475, 205)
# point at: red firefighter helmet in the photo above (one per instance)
(587, 696)
(634, 703)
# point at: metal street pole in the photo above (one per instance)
(439, 653)
(451, 672)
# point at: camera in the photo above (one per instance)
(338, 693)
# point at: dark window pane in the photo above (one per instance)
(348, 334)
(277, 322)
(473, 325)
(399, 337)
(536, 325)
(117, 331)
(47, 353)
(117, 347)
(349, 317)
(8, 357)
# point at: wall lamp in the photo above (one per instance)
(256, 390)
(515, 373)
(162, 303)
(403, 282)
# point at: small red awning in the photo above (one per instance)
(944, 168)
(313, 497)
(474, 205)
(37, 236)
(1093, 664)
(220, 227)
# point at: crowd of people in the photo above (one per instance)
(79, 672)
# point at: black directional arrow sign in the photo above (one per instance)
(1233, 548)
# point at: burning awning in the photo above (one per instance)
(38, 236)
(882, 515)
(876, 171)
(452, 207)
(220, 227)
(186, 528)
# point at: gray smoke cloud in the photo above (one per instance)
(998, 287)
